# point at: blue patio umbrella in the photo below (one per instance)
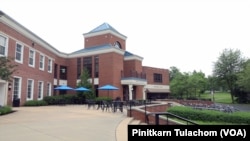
(82, 89)
(108, 87)
(63, 87)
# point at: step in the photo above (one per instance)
(122, 130)
(135, 122)
(143, 123)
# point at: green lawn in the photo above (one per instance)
(219, 97)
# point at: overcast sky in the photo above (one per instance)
(187, 34)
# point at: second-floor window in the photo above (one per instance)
(3, 46)
(63, 72)
(41, 62)
(19, 53)
(78, 68)
(157, 77)
(55, 70)
(96, 66)
(50, 66)
(87, 64)
(32, 58)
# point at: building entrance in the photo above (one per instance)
(2, 93)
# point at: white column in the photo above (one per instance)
(3, 92)
(130, 88)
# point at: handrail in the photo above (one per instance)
(158, 114)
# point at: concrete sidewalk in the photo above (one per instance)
(63, 123)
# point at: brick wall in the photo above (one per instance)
(150, 75)
(139, 113)
(103, 39)
(24, 71)
(110, 67)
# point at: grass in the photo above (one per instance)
(219, 97)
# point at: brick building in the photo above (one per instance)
(41, 67)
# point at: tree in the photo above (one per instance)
(196, 83)
(84, 82)
(226, 68)
(179, 85)
(7, 68)
(244, 77)
(173, 72)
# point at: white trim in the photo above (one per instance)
(26, 45)
(21, 52)
(63, 82)
(34, 58)
(133, 57)
(19, 87)
(32, 89)
(6, 46)
(18, 27)
(43, 61)
(133, 82)
(50, 65)
(3, 92)
(55, 81)
(48, 88)
(157, 86)
(96, 52)
(42, 89)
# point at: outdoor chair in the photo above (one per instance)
(117, 105)
(106, 105)
(90, 103)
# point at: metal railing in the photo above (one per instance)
(167, 115)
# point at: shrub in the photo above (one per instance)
(210, 115)
(103, 98)
(5, 110)
(35, 103)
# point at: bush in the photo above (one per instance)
(35, 103)
(64, 99)
(210, 115)
(103, 98)
(5, 110)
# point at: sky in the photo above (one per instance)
(187, 34)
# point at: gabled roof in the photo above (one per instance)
(105, 27)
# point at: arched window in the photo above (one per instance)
(118, 45)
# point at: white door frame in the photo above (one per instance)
(3, 92)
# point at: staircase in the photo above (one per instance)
(122, 130)
(136, 122)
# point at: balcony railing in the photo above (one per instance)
(134, 74)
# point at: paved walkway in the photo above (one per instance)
(63, 123)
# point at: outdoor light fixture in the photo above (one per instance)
(9, 86)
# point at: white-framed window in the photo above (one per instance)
(32, 57)
(50, 65)
(40, 90)
(48, 89)
(3, 45)
(19, 53)
(17, 83)
(41, 62)
(30, 89)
